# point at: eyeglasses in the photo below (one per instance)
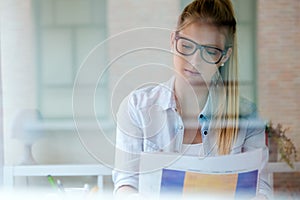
(188, 47)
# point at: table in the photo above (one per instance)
(55, 170)
(98, 170)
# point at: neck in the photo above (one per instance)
(190, 99)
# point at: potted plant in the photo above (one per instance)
(280, 144)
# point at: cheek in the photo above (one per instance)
(207, 71)
(211, 70)
(179, 63)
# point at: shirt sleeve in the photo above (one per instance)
(129, 144)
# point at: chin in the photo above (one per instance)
(197, 82)
(193, 81)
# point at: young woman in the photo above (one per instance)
(199, 111)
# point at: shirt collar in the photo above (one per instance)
(214, 102)
(168, 90)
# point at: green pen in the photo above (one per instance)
(51, 181)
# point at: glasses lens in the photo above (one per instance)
(211, 55)
(185, 47)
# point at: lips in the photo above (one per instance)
(191, 72)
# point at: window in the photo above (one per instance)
(66, 31)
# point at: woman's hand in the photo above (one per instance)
(126, 192)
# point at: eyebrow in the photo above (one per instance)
(211, 45)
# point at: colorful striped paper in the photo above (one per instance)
(235, 185)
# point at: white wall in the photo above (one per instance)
(139, 25)
(18, 68)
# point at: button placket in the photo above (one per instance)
(204, 124)
(179, 135)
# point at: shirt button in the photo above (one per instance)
(201, 116)
(180, 127)
(205, 132)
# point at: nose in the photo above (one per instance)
(196, 59)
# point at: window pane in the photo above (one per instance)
(67, 31)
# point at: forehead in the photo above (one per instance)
(205, 34)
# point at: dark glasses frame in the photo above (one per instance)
(201, 48)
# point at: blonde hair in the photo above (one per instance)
(220, 13)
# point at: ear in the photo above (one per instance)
(227, 55)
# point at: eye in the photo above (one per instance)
(212, 51)
(187, 46)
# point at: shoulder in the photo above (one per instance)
(134, 105)
(249, 116)
(156, 94)
(247, 108)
